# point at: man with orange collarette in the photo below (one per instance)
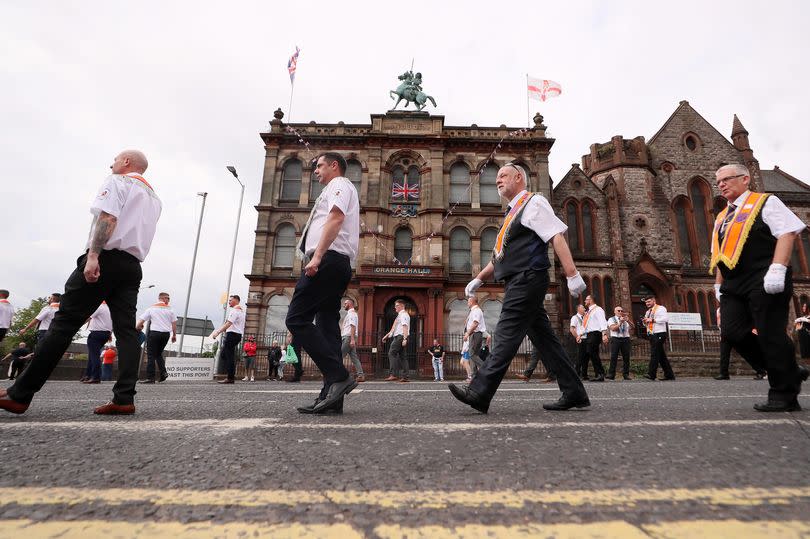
(752, 242)
(162, 327)
(126, 211)
(233, 328)
(44, 318)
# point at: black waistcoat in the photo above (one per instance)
(523, 250)
(756, 257)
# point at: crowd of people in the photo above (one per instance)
(751, 244)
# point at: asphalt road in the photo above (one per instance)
(689, 458)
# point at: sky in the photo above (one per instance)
(192, 84)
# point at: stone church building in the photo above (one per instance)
(639, 214)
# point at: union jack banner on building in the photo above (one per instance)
(405, 191)
(292, 64)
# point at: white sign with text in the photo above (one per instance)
(190, 368)
(685, 321)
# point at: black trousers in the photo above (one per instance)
(317, 299)
(3, 332)
(95, 342)
(118, 285)
(582, 358)
(397, 363)
(593, 340)
(155, 344)
(229, 344)
(476, 342)
(771, 347)
(659, 355)
(523, 314)
(298, 368)
(619, 344)
(17, 366)
(535, 359)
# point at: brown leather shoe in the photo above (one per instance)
(391, 378)
(521, 376)
(403, 380)
(9, 405)
(361, 378)
(115, 409)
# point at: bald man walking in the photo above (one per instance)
(126, 211)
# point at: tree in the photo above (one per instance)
(21, 319)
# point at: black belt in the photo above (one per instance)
(308, 256)
(620, 337)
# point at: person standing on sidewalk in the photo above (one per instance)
(162, 327)
(233, 328)
(100, 326)
(437, 360)
(348, 336)
(620, 327)
(249, 349)
(45, 316)
(596, 333)
(397, 359)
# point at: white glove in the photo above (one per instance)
(717, 292)
(472, 286)
(576, 285)
(775, 279)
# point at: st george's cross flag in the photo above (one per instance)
(292, 64)
(542, 89)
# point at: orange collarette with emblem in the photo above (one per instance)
(500, 241)
(736, 233)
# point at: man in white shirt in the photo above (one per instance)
(162, 327)
(100, 326)
(595, 333)
(126, 210)
(655, 319)
(328, 245)
(620, 327)
(6, 313)
(752, 242)
(348, 336)
(520, 259)
(234, 328)
(577, 331)
(473, 330)
(397, 359)
(45, 316)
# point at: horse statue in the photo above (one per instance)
(410, 89)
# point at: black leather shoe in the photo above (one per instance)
(778, 406)
(163, 378)
(566, 403)
(336, 393)
(147, 381)
(334, 409)
(626, 377)
(470, 397)
(722, 377)
(650, 378)
(610, 377)
(599, 378)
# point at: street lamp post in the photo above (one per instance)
(191, 276)
(232, 170)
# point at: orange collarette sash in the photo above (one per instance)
(585, 320)
(160, 304)
(500, 241)
(4, 301)
(651, 316)
(736, 232)
(140, 179)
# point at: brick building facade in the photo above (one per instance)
(638, 212)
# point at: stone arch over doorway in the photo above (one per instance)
(642, 286)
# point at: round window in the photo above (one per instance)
(691, 143)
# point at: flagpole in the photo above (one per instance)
(289, 109)
(528, 113)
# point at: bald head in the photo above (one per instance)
(130, 161)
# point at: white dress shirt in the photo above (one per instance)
(136, 207)
(236, 316)
(539, 217)
(622, 331)
(6, 314)
(349, 321)
(101, 320)
(660, 318)
(476, 315)
(160, 317)
(596, 320)
(403, 319)
(339, 193)
(45, 316)
(576, 322)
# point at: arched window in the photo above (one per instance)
(459, 184)
(457, 317)
(414, 179)
(796, 258)
(354, 171)
(315, 187)
(691, 302)
(701, 197)
(703, 308)
(596, 290)
(291, 180)
(682, 228)
(488, 237)
(609, 301)
(486, 185)
(460, 247)
(403, 245)
(284, 246)
(587, 228)
(274, 325)
(713, 305)
(566, 300)
(572, 219)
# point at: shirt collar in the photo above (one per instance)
(514, 200)
(740, 199)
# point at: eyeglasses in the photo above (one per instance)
(725, 180)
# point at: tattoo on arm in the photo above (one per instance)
(105, 224)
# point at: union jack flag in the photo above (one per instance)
(405, 191)
(292, 64)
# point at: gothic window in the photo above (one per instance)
(354, 171)
(572, 219)
(703, 308)
(405, 186)
(587, 228)
(682, 228)
(315, 187)
(291, 180)
(460, 247)
(607, 283)
(488, 237)
(596, 290)
(691, 302)
(701, 197)
(284, 248)
(403, 245)
(274, 325)
(459, 184)
(487, 188)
